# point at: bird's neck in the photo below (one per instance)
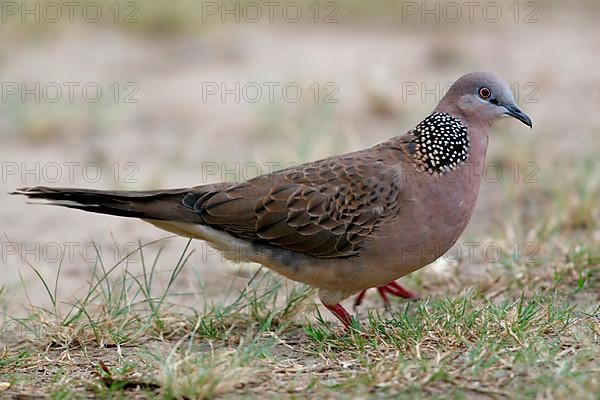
(440, 144)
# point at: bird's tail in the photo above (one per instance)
(150, 204)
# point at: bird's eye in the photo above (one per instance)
(485, 93)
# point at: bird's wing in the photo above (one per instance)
(326, 208)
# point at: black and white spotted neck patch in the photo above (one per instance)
(440, 144)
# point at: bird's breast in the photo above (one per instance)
(434, 213)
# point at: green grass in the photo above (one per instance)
(511, 329)
(123, 340)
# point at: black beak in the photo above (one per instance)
(516, 112)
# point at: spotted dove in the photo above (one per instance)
(345, 223)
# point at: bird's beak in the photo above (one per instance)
(516, 112)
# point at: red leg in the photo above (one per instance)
(359, 298)
(399, 291)
(392, 288)
(382, 290)
(341, 314)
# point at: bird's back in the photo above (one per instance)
(326, 208)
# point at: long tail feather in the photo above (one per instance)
(151, 204)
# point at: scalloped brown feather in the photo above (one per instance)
(326, 208)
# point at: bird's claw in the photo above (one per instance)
(392, 288)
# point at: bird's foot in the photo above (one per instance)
(395, 289)
(340, 312)
(391, 288)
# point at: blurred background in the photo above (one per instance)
(140, 95)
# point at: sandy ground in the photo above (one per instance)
(171, 137)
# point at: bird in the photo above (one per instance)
(345, 223)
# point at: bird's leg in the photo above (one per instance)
(382, 292)
(395, 289)
(392, 288)
(359, 298)
(340, 312)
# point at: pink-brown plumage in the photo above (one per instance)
(345, 223)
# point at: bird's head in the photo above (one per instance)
(483, 97)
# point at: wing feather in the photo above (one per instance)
(327, 208)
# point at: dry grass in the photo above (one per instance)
(515, 330)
